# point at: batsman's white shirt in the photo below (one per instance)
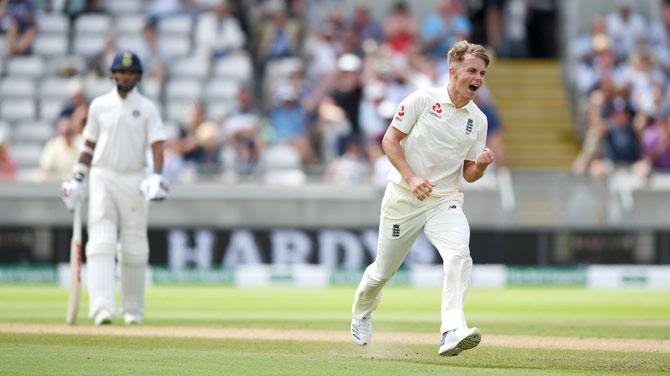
(439, 137)
(122, 130)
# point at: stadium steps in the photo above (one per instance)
(530, 97)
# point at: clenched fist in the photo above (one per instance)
(484, 159)
(420, 187)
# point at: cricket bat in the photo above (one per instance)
(75, 268)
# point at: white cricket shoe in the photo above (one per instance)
(457, 340)
(102, 317)
(361, 330)
(131, 319)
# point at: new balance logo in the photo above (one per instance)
(452, 207)
(468, 127)
(396, 231)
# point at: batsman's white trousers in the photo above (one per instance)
(403, 216)
(117, 219)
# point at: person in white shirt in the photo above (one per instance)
(121, 126)
(435, 134)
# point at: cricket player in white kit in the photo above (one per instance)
(435, 133)
(120, 127)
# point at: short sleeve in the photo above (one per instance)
(92, 127)
(155, 128)
(480, 142)
(408, 112)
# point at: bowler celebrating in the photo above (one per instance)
(121, 126)
(434, 134)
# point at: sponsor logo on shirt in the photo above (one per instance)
(400, 113)
(396, 231)
(468, 127)
(136, 113)
(436, 110)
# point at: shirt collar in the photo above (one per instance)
(130, 95)
(444, 98)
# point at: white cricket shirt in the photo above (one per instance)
(439, 137)
(123, 130)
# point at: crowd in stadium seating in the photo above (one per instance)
(272, 90)
(624, 65)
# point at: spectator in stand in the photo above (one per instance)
(155, 62)
(243, 133)
(244, 139)
(494, 131)
(625, 28)
(373, 126)
(440, 30)
(288, 120)
(620, 139)
(486, 16)
(7, 165)
(61, 153)
(279, 38)
(514, 41)
(77, 99)
(75, 8)
(187, 144)
(207, 156)
(218, 32)
(348, 94)
(656, 146)
(366, 27)
(401, 29)
(17, 21)
(100, 63)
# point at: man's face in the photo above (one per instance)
(468, 76)
(126, 79)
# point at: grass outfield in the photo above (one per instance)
(623, 316)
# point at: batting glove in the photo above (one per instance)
(71, 191)
(155, 188)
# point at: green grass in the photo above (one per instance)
(516, 311)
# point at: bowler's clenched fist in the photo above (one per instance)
(484, 158)
(420, 187)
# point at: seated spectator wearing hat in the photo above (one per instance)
(61, 153)
(288, 120)
(244, 139)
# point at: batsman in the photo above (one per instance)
(120, 127)
(435, 135)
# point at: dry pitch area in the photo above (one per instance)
(411, 338)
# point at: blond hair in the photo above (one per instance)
(460, 49)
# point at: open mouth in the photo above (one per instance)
(473, 88)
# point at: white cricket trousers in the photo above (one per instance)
(117, 221)
(403, 216)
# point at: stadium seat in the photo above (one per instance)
(26, 155)
(175, 46)
(18, 109)
(130, 24)
(50, 44)
(5, 131)
(183, 88)
(176, 110)
(219, 109)
(222, 89)
(189, 67)
(92, 24)
(123, 7)
(282, 166)
(37, 132)
(55, 88)
(53, 23)
(50, 109)
(95, 86)
(151, 88)
(236, 67)
(179, 25)
(30, 66)
(17, 87)
(133, 42)
(89, 45)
